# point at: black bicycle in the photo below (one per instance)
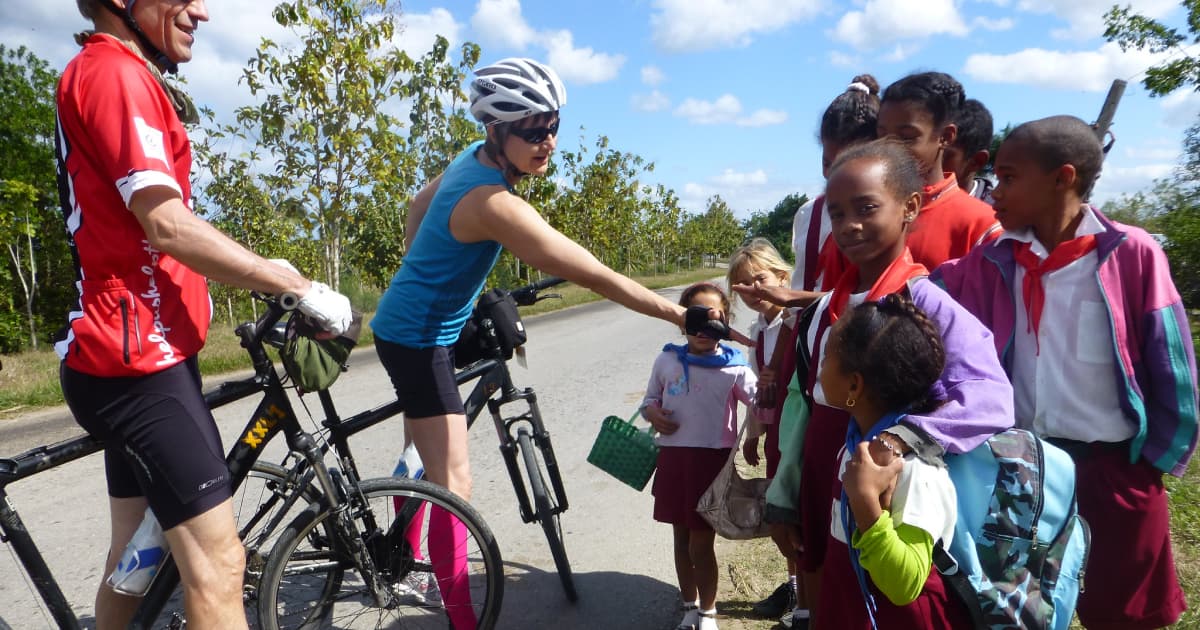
(297, 581)
(369, 524)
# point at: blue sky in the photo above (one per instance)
(724, 96)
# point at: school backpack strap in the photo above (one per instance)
(958, 583)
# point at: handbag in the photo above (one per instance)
(625, 452)
(733, 505)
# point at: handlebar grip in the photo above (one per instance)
(527, 295)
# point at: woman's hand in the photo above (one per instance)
(660, 419)
(869, 485)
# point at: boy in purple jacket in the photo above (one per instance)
(1095, 339)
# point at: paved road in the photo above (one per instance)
(586, 363)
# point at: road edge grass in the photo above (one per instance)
(29, 380)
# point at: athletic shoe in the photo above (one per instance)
(420, 587)
(776, 604)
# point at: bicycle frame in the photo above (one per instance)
(494, 376)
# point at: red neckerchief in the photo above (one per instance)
(1032, 291)
(893, 279)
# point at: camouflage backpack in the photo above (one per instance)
(1020, 547)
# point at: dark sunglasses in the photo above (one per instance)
(537, 135)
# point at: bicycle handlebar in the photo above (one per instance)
(528, 294)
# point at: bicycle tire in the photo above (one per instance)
(265, 490)
(545, 513)
(311, 582)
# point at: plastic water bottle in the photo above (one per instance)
(143, 556)
(410, 464)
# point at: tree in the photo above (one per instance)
(1133, 30)
(325, 121)
(30, 226)
(1172, 208)
(776, 225)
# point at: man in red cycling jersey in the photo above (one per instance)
(129, 371)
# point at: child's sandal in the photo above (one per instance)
(706, 620)
(691, 617)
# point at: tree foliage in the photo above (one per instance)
(1172, 207)
(776, 225)
(1135, 31)
(37, 268)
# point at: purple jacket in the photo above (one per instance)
(978, 396)
(1157, 379)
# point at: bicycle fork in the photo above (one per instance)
(508, 450)
(340, 508)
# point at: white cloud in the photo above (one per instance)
(1181, 108)
(499, 23)
(1092, 70)
(727, 109)
(652, 75)
(901, 52)
(1154, 152)
(655, 101)
(421, 29)
(999, 24)
(732, 179)
(693, 25)
(763, 118)
(843, 60)
(579, 65)
(1124, 180)
(723, 110)
(881, 22)
(1085, 18)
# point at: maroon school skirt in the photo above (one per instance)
(1131, 581)
(682, 476)
(771, 448)
(825, 437)
(843, 607)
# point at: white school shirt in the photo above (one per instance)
(818, 393)
(1067, 390)
(801, 223)
(924, 498)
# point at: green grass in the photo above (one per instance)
(29, 380)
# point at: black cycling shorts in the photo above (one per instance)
(160, 439)
(423, 378)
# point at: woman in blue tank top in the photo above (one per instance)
(456, 227)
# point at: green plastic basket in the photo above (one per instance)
(624, 452)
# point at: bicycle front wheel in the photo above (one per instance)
(438, 560)
(265, 502)
(546, 514)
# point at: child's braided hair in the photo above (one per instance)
(897, 349)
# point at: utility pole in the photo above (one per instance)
(1108, 111)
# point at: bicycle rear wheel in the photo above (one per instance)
(546, 514)
(311, 580)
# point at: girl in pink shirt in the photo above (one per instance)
(691, 401)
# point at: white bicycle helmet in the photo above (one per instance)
(515, 88)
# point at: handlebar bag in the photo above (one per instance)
(314, 364)
(500, 307)
(495, 308)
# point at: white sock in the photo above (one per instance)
(708, 623)
(799, 613)
(792, 583)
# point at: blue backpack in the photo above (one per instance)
(1020, 547)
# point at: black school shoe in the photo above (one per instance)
(776, 604)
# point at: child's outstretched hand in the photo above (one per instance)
(660, 419)
(869, 485)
